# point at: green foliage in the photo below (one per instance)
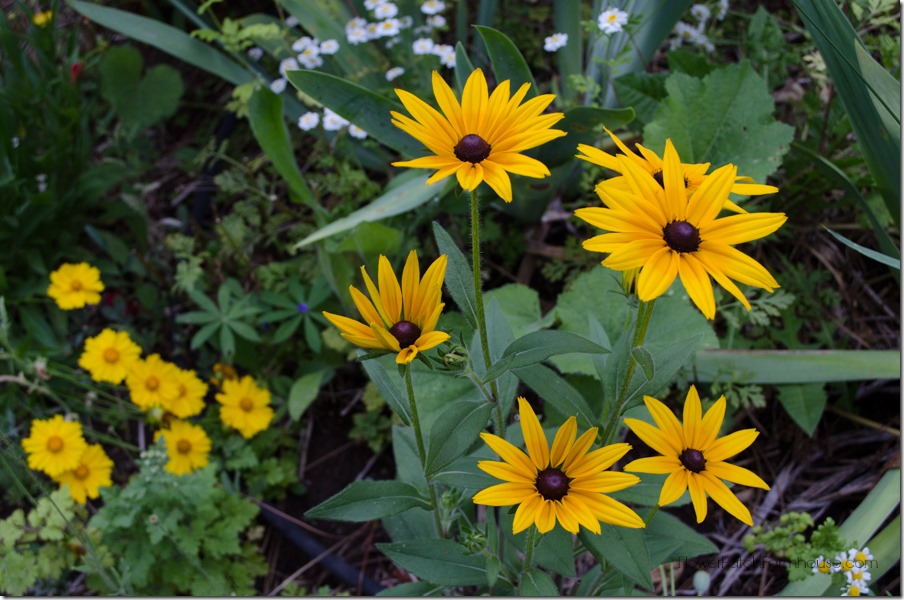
(233, 315)
(178, 534)
(786, 540)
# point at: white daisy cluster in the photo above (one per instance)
(387, 23)
(310, 53)
(426, 46)
(331, 122)
(612, 20)
(854, 564)
(555, 41)
(686, 33)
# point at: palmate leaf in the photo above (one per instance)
(726, 117)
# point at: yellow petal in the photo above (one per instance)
(390, 291)
(385, 338)
(665, 419)
(605, 483)
(652, 437)
(582, 513)
(448, 103)
(411, 276)
(598, 460)
(545, 517)
(674, 486)
(737, 229)
(406, 355)
(609, 510)
(698, 495)
(657, 465)
(365, 307)
(738, 266)
(567, 517)
(635, 254)
(497, 179)
(673, 181)
(505, 494)
(657, 274)
(527, 513)
(474, 99)
(693, 415)
(431, 340)
(579, 449)
(707, 201)
(725, 498)
(506, 472)
(735, 474)
(563, 441)
(711, 423)
(510, 454)
(534, 438)
(726, 447)
(695, 280)
(375, 298)
(717, 274)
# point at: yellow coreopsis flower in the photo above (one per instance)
(153, 382)
(667, 233)
(245, 406)
(41, 19)
(693, 456)
(693, 174)
(567, 482)
(75, 285)
(399, 319)
(109, 356)
(189, 400)
(187, 447)
(91, 474)
(54, 446)
(482, 138)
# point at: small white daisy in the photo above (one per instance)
(422, 46)
(555, 41)
(356, 36)
(436, 21)
(310, 58)
(329, 47)
(388, 28)
(308, 121)
(860, 574)
(723, 10)
(855, 588)
(287, 64)
(612, 20)
(701, 12)
(821, 565)
(356, 23)
(303, 43)
(41, 180)
(278, 86)
(394, 72)
(357, 132)
(386, 10)
(372, 4)
(446, 54)
(860, 557)
(432, 7)
(255, 53)
(406, 21)
(332, 121)
(291, 21)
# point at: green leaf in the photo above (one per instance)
(538, 346)
(668, 539)
(668, 359)
(520, 306)
(438, 561)
(796, 366)
(537, 583)
(641, 91)
(204, 334)
(368, 500)
(558, 392)
(555, 551)
(582, 123)
(643, 358)
(387, 388)
(362, 107)
(197, 317)
(244, 330)
(303, 392)
(412, 589)
(459, 276)
(463, 473)
(454, 432)
(227, 341)
(463, 66)
(623, 548)
(894, 263)
(567, 19)
(869, 94)
(508, 63)
(169, 39)
(407, 192)
(724, 118)
(265, 115)
(804, 403)
(203, 301)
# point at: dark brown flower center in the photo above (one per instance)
(552, 484)
(183, 446)
(55, 444)
(693, 460)
(75, 285)
(472, 148)
(111, 355)
(152, 383)
(681, 236)
(659, 179)
(82, 472)
(246, 404)
(406, 332)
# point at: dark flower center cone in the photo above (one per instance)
(552, 484)
(406, 332)
(681, 236)
(472, 148)
(693, 460)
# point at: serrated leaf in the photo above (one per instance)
(641, 91)
(302, 393)
(668, 539)
(368, 500)
(555, 390)
(454, 432)
(726, 117)
(625, 549)
(805, 404)
(538, 346)
(438, 561)
(537, 583)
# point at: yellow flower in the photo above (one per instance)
(694, 174)
(190, 398)
(75, 285)
(109, 355)
(399, 319)
(187, 447)
(54, 446)
(482, 138)
(566, 482)
(152, 382)
(668, 234)
(41, 19)
(693, 456)
(91, 473)
(246, 407)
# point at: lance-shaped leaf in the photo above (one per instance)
(368, 500)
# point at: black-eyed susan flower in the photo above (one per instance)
(667, 233)
(397, 318)
(91, 474)
(152, 382)
(189, 399)
(245, 406)
(565, 483)
(75, 285)
(109, 356)
(187, 447)
(482, 138)
(55, 445)
(694, 456)
(694, 173)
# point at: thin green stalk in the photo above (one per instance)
(644, 314)
(421, 449)
(481, 313)
(529, 549)
(653, 511)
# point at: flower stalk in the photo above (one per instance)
(421, 449)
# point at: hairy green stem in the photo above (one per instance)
(481, 313)
(421, 450)
(644, 314)
(529, 549)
